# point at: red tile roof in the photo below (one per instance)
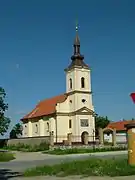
(119, 126)
(46, 107)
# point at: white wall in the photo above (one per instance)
(77, 101)
(39, 127)
(120, 137)
(68, 106)
(63, 107)
(63, 127)
(35, 129)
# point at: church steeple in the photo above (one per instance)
(77, 58)
(77, 46)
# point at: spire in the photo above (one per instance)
(77, 40)
(77, 58)
(77, 46)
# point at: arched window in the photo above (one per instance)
(70, 83)
(70, 123)
(36, 131)
(25, 129)
(47, 127)
(82, 82)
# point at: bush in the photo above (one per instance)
(90, 167)
(28, 148)
(106, 143)
(59, 151)
(6, 156)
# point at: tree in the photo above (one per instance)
(16, 131)
(4, 121)
(13, 134)
(101, 122)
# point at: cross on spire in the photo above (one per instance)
(76, 28)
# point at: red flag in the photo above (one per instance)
(133, 97)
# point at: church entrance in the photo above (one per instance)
(84, 137)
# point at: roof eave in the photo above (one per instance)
(75, 66)
(41, 116)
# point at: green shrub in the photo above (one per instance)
(106, 143)
(17, 146)
(28, 148)
(42, 146)
(59, 151)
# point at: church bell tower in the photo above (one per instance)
(78, 79)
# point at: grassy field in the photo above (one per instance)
(6, 156)
(83, 150)
(90, 167)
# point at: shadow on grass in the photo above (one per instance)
(6, 174)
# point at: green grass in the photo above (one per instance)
(83, 150)
(90, 167)
(6, 156)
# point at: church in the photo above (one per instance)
(71, 112)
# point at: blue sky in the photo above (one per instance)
(36, 40)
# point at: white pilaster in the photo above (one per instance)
(29, 129)
(24, 133)
(41, 127)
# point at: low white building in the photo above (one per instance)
(71, 112)
(121, 135)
